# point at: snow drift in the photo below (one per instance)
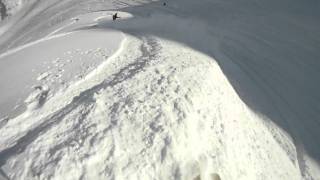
(190, 90)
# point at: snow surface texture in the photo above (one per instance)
(63, 57)
(11, 6)
(191, 90)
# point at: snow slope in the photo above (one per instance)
(59, 59)
(191, 90)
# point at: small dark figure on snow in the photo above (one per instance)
(164, 4)
(115, 16)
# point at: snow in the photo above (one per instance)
(156, 120)
(192, 90)
(73, 55)
(11, 7)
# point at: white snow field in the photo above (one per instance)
(193, 90)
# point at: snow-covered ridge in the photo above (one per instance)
(190, 90)
(37, 18)
(138, 117)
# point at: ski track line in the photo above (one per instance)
(85, 98)
(32, 44)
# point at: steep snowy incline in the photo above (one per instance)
(51, 63)
(37, 18)
(159, 110)
(208, 89)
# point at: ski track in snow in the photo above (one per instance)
(138, 117)
(155, 109)
(74, 54)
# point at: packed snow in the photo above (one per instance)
(60, 58)
(191, 90)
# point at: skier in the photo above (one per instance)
(115, 16)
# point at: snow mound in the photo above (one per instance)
(139, 116)
(191, 90)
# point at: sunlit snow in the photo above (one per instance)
(190, 90)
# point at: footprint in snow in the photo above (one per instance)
(37, 98)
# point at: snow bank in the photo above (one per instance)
(161, 107)
(54, 61)
(161, 112)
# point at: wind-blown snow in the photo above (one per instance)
(143, 97)
(139, 117)
(60, 58)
